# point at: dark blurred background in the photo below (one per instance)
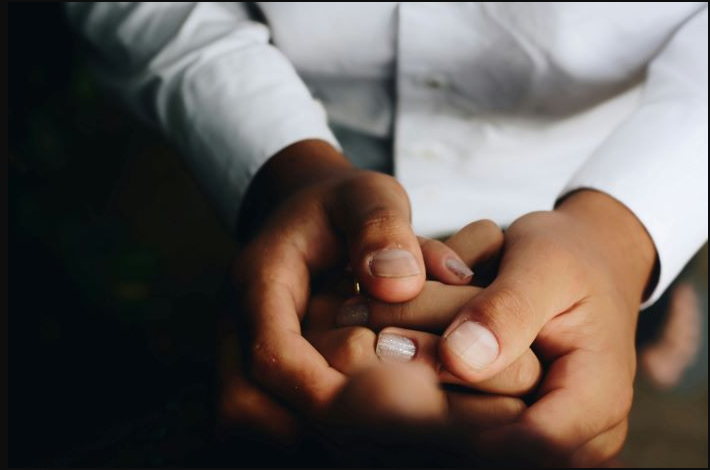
(117, 266)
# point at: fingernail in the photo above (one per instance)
(394, 263)
(353, 315)
(395, 347)
(474, 344)
(457, 267)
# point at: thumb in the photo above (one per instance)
(373, 211)
(499, 324)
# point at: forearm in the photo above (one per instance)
(655, 162)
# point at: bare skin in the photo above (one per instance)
(309, 212)
(351, 351)
(570, 284)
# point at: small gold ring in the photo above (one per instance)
(357, 287)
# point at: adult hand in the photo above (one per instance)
(352, 348)
(570, 284)
(311, 211)
(247, 407)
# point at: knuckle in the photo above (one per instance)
(399, 314)
(607, 452)
(509, 408)
(381, 221)
(429, 245)
(485, 229)
(382, 217)
(557, 443)
(357, 348)
(388, 314)
(618, 441)
(488, 228)
(601, 449)
(403, 314)
(506, 306)
(622, 403)
(490, 225)
(514, 408)
(527, 374)
(370, 182)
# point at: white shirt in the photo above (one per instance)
(496, 109)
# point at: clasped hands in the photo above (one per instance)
(536, 367)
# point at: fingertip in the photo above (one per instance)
(459, 272)
(410, 346)
(443, 263)
(477, 242)
(468, 351)
(394, 347)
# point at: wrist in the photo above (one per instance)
(298, 166)
(620, 240)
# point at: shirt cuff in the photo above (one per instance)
(229, 126)
(656, 165)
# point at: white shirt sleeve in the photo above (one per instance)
(206, 75)
(656, 162)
